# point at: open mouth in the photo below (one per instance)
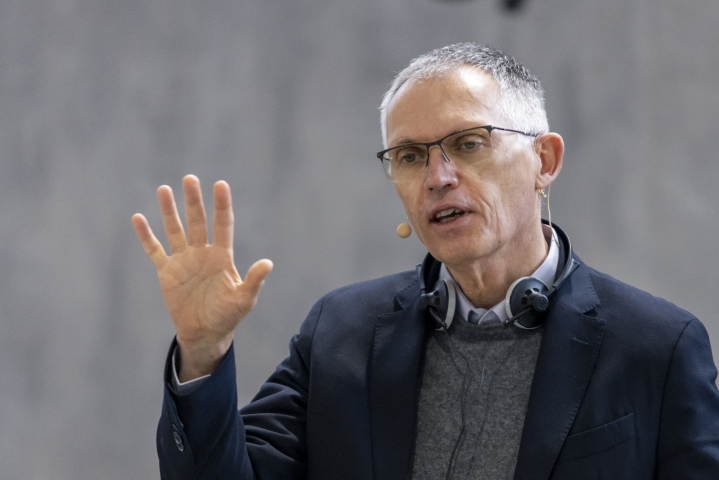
(447, 215)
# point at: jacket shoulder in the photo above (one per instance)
(620, 300)
(381, 295)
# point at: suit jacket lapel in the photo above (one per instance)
(394, 382)
(569, 349)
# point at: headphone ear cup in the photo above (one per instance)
(526, 292)
(446, 304)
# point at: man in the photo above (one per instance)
(572, 375)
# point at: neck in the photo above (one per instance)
(486, 280)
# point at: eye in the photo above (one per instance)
(408, 158)
(474, 144)
(410, 155)
(470, 142)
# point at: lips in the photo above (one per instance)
(447, 215)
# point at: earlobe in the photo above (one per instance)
(550, 148)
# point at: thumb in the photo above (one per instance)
(255, 277)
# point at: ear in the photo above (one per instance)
(550, 148)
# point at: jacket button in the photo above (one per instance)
(178, 441)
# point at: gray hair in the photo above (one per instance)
(521, 95)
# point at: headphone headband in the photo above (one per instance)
(526, 296)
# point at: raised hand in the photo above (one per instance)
(203, 292)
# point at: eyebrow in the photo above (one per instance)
(405, 142)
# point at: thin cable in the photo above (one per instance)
(549, 210)
(466, 382)
(465, 385)
(487, 403)
(549, 215)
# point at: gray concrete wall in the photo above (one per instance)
(101, 101)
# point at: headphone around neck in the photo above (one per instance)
(527, 298)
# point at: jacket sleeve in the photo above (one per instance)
(688, 445)
(203, 435)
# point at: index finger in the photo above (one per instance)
(224, 219)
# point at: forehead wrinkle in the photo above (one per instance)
(457, 130)
(460, 124)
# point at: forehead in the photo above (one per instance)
(427, 109)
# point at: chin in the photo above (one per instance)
(456, 254)
(459, 250)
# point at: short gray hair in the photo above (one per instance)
(521, 95)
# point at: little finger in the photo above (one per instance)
(150, 244)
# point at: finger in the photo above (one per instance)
(224, 221)
(194, 211)
(152, 246)
(255, 277)
(173, 226)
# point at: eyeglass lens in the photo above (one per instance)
(464, 148)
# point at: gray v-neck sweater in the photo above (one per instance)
(501, 367)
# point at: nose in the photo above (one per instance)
(440, 171)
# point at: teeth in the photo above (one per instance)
(440, 216)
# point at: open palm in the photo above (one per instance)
(203, 292)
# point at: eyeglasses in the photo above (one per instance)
(468, 147)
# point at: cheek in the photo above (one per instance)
(409, 201)
(505, 194)
(519, 173)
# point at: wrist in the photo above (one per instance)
(196, 359)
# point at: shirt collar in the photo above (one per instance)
(546, 273)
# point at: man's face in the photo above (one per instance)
(496, 199)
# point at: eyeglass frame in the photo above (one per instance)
(489, 129)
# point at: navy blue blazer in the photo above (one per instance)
(623, 389)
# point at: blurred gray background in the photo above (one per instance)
(101, 101)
